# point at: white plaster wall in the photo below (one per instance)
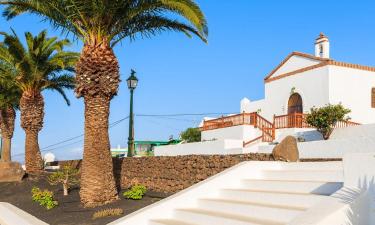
(352, 87)
(294, 63)
(353, 204)
(335, 148)
(362, 131)
(345, 207)
(325, 45)
(359, 170)
(356, 139)
(312, 85)
(318, 87)
(218, 147)
(245, 102)
(309, 134)
(252, 106)
(243, 132)
(254, 147)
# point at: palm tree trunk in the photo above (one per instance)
(7, 118)
(97, 179)
(33, 157)
(6, 152)
(32, 114)
(97, 81)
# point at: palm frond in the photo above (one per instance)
(42, 64)
(111, 21)
(10, 93)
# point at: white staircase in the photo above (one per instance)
(253, 193)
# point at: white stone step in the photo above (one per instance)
(206, 217)
(307, 166)
(301, 201)
(250, 209)
(169, 222)
(307, 187)
(299, 175)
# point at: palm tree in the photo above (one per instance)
(42, 65)
(101, 24)
(10, 96)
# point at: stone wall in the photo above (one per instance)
(172, 174)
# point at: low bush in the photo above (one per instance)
(44, 198)
(107, 213)
(67, 176)
(136, 192)
(325, 118)
(191, 135)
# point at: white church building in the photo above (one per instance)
(301, 81)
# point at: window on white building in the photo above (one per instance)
(373, 97)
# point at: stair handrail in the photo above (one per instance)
(252, 141)
(267, 128)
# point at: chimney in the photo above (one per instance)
(322, 46)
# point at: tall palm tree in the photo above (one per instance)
(41, 65)
(101, 24)
(10, 96)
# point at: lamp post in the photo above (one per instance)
(132, 84)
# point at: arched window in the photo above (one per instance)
(373, 97)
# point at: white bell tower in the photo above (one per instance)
(322, 46)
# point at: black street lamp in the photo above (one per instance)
(132, 84)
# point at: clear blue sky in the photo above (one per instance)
(247, 40)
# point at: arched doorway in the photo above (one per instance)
(295, 109)
(295, 104)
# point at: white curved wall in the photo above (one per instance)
(242, 132)
(362, 131)
(218, 147)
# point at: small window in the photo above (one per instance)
(373, 97)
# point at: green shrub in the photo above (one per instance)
(136, 192)
(44, 198)
(67, 176)
(191, 135)
(107, 213)
(325, 118)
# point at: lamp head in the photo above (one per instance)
(132, 81)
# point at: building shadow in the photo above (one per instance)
(360, 201)
(331, 186)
